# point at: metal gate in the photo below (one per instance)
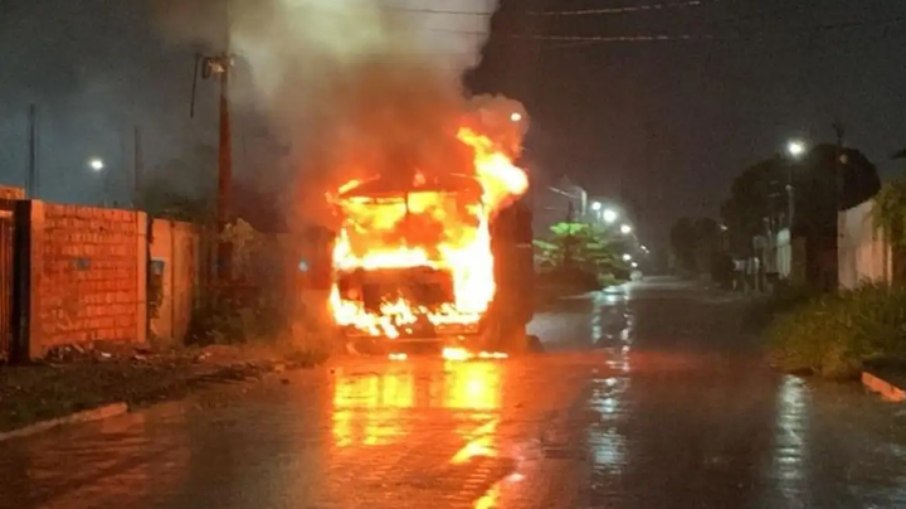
(7, 277)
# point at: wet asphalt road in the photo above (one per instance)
(649, 397)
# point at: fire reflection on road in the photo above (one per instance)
(371, 408)
(367, 408)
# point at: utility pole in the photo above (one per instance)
(138, 167)
(568, 248)
(225, 170)
(31, 180)
(790, 197)
(219, 65)
(225, 152)
(839, 162)
(839, 169)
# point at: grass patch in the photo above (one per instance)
(835, 335)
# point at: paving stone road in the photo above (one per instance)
(651, 396)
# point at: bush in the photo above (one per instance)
(833, 335)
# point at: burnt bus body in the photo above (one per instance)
(501, 326)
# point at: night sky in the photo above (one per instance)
(672, 122)
(668, 122)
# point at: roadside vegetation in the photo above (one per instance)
(579, 257)
(835, 335)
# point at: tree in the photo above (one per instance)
(889, 216)
(756, 194)
(759, 198)
(580, 247)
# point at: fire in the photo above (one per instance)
(429, 232)
(500, 178)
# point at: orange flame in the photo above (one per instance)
(441, 230)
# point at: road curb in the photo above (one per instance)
(95, 414)
(887, 390)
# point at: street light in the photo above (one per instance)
(795, 148)
(516, 116)
(610, 216)
(96, 164)
(596, 206)
(625, 229)
(635, 265)
(627, 257)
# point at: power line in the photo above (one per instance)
(665, 37)
(566, 41)
(625, 9)
(444, 12)
(610, 38)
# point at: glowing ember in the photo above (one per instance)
(422, 255)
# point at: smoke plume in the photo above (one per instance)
(360, 87)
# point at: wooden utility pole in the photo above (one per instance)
(31, 180)
(219, 65)
(225, 170)
(225, 152)
(839, 161)
(138, 167)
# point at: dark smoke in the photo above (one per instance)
(353, 88)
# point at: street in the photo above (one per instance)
(649, 396)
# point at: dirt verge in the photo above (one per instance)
(88, 379)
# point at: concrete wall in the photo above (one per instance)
(783, 263)
(174, 278)
(87, 276)
(863, 254)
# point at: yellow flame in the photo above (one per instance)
(374, 236)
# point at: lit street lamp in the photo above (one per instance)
(627, 257)
(596, 206)
(610, 216)
(96, 164)
(795, 148)
(625, 229)
(516, 116)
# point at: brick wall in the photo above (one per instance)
(88, 269)
(12, 193)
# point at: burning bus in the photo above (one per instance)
(444, 258)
